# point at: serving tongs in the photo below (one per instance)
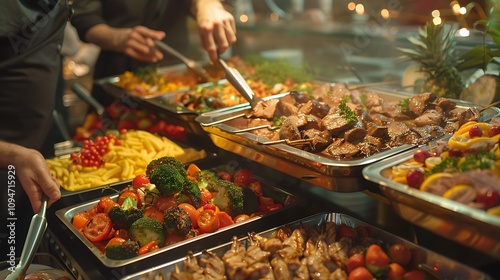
(191, 64)
(36, 231)
(237, 81)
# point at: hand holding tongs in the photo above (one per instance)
(234, 77)
(191, 64)
(36, 230)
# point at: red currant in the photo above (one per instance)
(475, 131)
(414, 178)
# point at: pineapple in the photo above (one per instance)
(435, 53)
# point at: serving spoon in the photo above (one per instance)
(36, 230)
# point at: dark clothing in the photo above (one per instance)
(169, 16)
(31, 34)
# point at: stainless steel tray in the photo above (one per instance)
(317, 169)
(445, 268)
(65, 215)
(453, 220)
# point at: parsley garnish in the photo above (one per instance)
(404, 104)
(347, 112)
(278, 121)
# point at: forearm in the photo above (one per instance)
(107, 37)
(9, 154)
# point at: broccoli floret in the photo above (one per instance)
(190, 193)
(145, 230)
(123, 216)
(177, 220)
(167, 179)
(206, 179)
(229, 197)
(154, 164)
(126, 250)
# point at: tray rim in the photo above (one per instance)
(374, 171)
(338, 218)
(65, 215)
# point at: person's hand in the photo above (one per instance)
(216, 27)
(34, 175)
(138, 43)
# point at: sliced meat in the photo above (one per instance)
(355, 135)
(316, 108)
(289, 130)
(429, 132)
(377, 130)
(376, 142)
(286, 107)
(471, 114)
(397, 129)
(394, 112)
(298, 119)
(445, 104)
(380, 119)
(312, 122)
(342, 149)
(299, 96)
(429, 117)
(418, 103)
(336, 123)
(320, 139)
(265, 109)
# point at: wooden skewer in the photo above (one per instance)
(288, 141)
(489, 106)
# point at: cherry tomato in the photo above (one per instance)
(192, 169)
(140, 180)
(421, 155)
(154, 213)
(116, 241)
(150, 247)
(210, 206)
(241, 218)
(243, 177)
(164, 202)
(266, 208)
(224, 219)
(80, 219)
(206, 196)
(208, 221)
(494, 130)
(414, 178)
(224, 175)
(192, 211)
(475, 131)
(98, 228)
(105, 203)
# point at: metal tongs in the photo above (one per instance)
(191, 64)
(36, 230)
(234, 77)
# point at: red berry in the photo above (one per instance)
(494, 130)
(475, 131)
(414, 178)
(488, 197)
(421, 155)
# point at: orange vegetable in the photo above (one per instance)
(208, 221)
(241, 218)
(150, 247)
(191, 170)
(193, 213)
(80, 219)
(154, 213)
(224, 219)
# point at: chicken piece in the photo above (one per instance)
(338, 274)
(254, 253)
(179, 274)
(316, 268)
(280, 268)
(257, 270)
(296, 241)
(193, 267)
(302, 273)
(339, 251)
(233, 260)
(322, 252)
(214, 268)
(291, 257)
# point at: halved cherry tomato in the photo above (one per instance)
(208, 221)
(154, 213)
(206, 196)
(105, 203)
(94, 210)
(164, 202)
(97, 228)
(80, 219)
(243, 177)
(115, 241)
(140, 180)
(133, 195)
(224, 219)
(121, 233)
(241, 218)
(210, 206)
(193, 213)
(111, 234)
(150, 247)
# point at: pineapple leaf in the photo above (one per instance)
(477, 57)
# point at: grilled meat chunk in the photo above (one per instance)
(342, 149)
(336, 124)
(430, 116)
(355, 135)
(265, 109)
(418, 103)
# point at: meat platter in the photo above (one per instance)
(65, 216)
(428, 262)
(264, 140)
(458, 203)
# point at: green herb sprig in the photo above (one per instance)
(347, 112)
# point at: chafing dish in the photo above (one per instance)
(441, 267)
(226, 129)
(456, 221)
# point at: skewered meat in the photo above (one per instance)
(330, 232)
(289, 130)
(214, 268)
(302, 273)
(339, 251)
(265, 109)
(336, 124)
(314, 107)
(192, 266)
(418, 103)
(429, 132)
(320, 139)
(338, 274)
(471, 114)
(342, 149)
(233, 260)
(286, 107)
(380, 119)
(280, 268)
(430, 116)
(355, 135)
(178, 274)
(300, 96)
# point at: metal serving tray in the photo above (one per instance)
(453, 220)
(318, 169)
(442, 266)
(65, 215)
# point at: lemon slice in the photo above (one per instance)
(457, 191)
(494, 211)
(430, 162)
(433, 178)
